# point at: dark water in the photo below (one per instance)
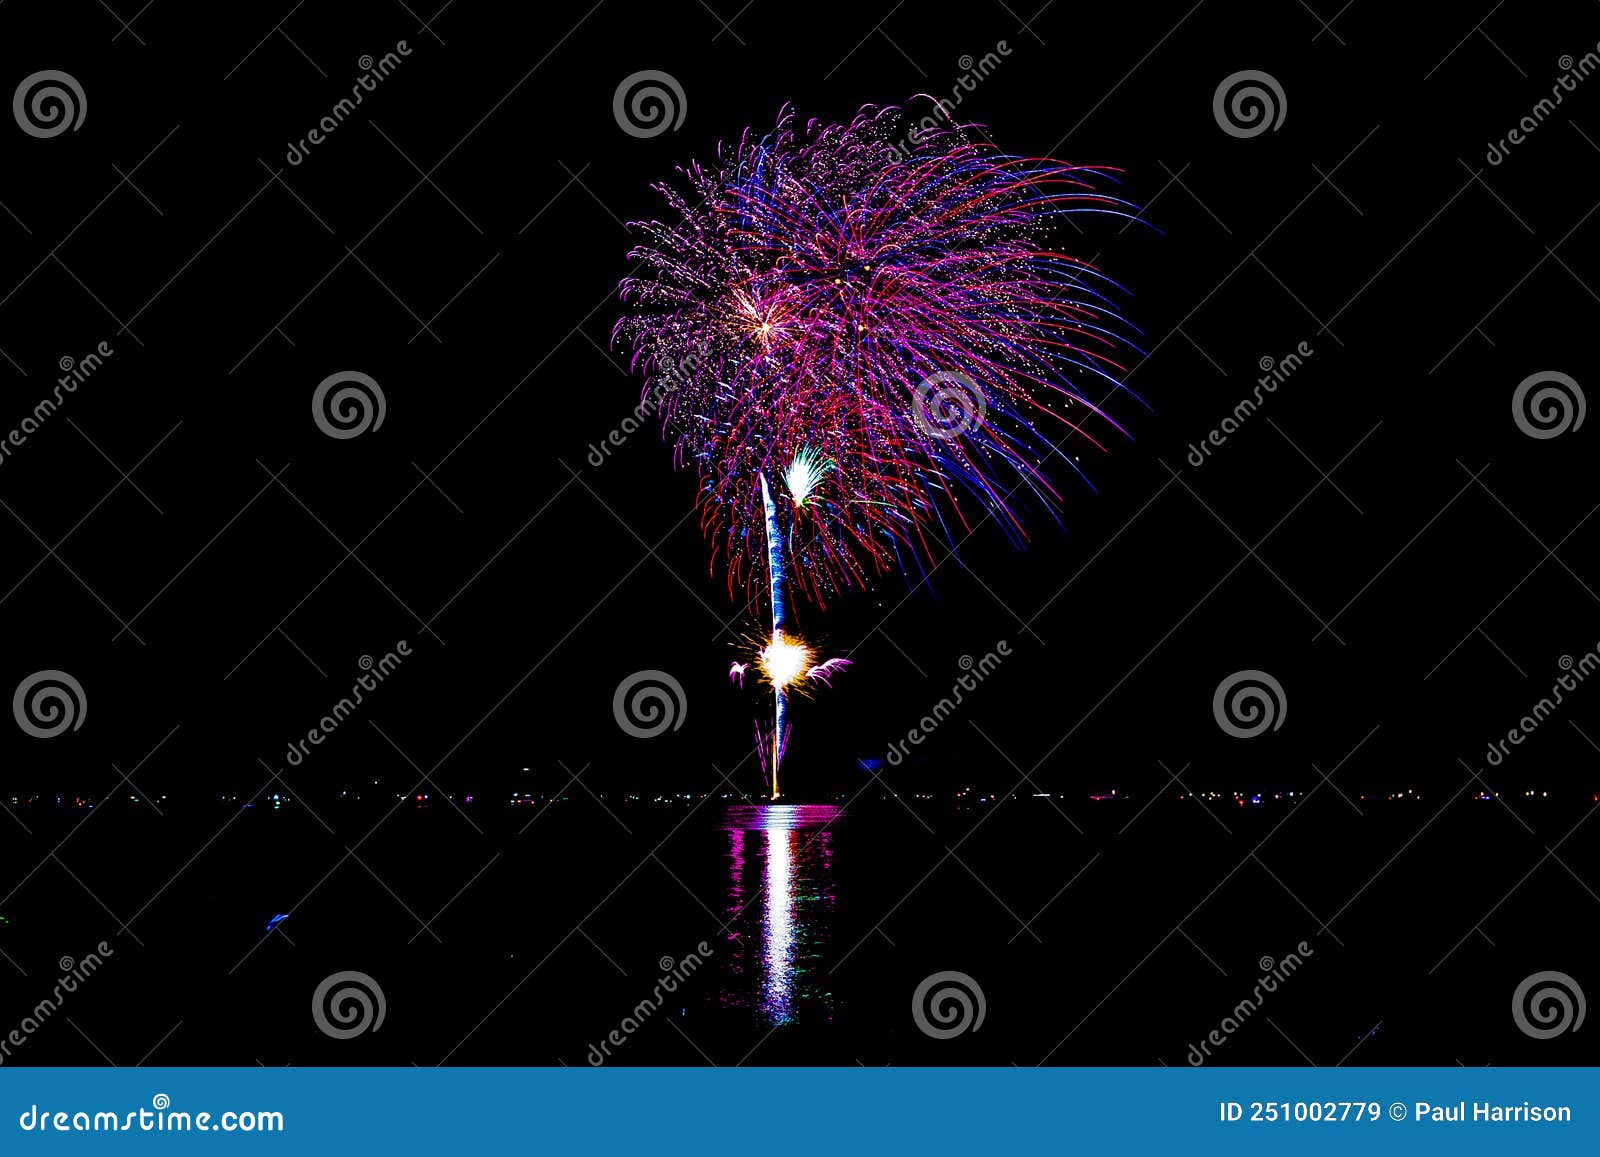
(1110, 937)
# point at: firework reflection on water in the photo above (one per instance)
(779, 910)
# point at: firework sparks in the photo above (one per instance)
(869, 320)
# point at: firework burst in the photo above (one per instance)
(870, 347)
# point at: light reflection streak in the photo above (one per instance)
(777, 949)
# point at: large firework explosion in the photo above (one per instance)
(865, 345)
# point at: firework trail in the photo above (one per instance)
(865, 346)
